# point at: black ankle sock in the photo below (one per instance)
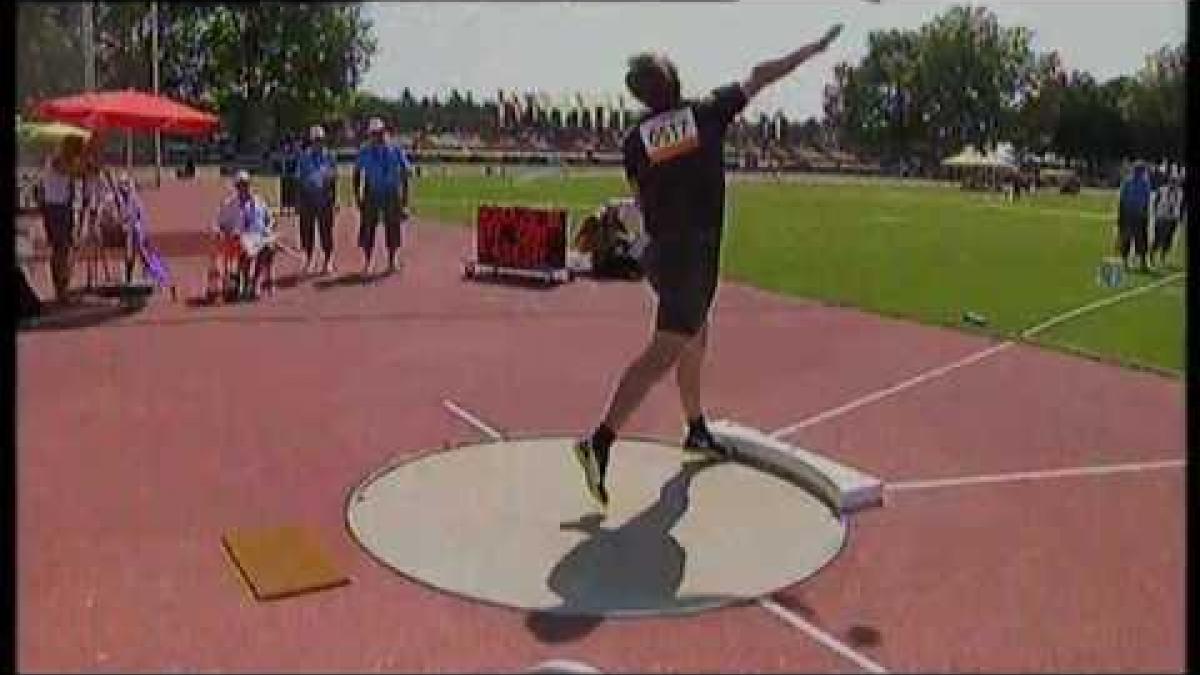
(602, 438)
(696, 425)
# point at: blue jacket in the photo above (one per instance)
(1135, 193)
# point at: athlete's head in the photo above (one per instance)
(653, 81)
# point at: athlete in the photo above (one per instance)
(674, 164)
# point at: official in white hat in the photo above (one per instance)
(316, 174)
(381, 193)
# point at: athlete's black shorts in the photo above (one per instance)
(683, 270)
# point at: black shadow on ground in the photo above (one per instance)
(511, 281)
(80, 313)
(291, 280)
(863, 636)
(636, 567)
(351, 279)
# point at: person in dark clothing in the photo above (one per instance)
(674, 164)
(1133, 216)
(1168, 212)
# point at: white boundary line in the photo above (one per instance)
(1066, 316)
(894, 389)
(820, 636)
(564, 666)
(969, 359)
(1071, 472)
(474, 421)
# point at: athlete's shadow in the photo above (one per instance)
(635, 567)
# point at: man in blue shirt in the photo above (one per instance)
(381, 193)
(316, 176)
(1133, 215)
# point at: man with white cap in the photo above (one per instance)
(316, 173)
(381, 193)
(247, 233)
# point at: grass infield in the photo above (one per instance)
(920, 250)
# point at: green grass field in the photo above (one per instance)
(914, 250)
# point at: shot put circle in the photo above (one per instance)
(510, 523)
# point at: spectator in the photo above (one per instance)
(246, 229)
(316, 175)
(1133, 212)
(57, 199)
(381, 193)
(287, 174)
(1168, 211)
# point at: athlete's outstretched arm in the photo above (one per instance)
(768, 72)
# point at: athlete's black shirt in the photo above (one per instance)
(675, 158)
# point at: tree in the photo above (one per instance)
(49, 50)
(956, 80)
(1038, 114)
(267, 67)
(1156, 105)
(1092, 127)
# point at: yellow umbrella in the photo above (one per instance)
(49, 132)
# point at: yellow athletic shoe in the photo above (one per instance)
(593, 464)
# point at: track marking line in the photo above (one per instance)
(894, 389)
(565, 666)
(472, 420)
(1104, 302)
(1049, 474)
(969, 359)
(820, 636)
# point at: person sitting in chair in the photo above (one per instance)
(247, 231)
(613, 237)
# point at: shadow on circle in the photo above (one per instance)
(635, 568)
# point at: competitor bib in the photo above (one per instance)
(669, 135)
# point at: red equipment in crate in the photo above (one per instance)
(520, 241)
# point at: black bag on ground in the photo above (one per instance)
(616, 263)
(28, 303)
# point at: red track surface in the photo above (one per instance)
(141, 440)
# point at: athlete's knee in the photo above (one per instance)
(664, 350)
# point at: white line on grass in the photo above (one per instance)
(1035, 475)
(821, 636)
(894, 389)
(1104, 302)
(969, 359)
(474, 421)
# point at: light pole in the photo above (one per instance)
(154, 81)
(89, 47)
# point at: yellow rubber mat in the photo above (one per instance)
(279, 562)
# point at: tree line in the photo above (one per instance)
(273, 68)
(963, 78)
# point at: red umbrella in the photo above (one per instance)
(128, 109)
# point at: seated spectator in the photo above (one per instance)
(612, 236)
(246, 232)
